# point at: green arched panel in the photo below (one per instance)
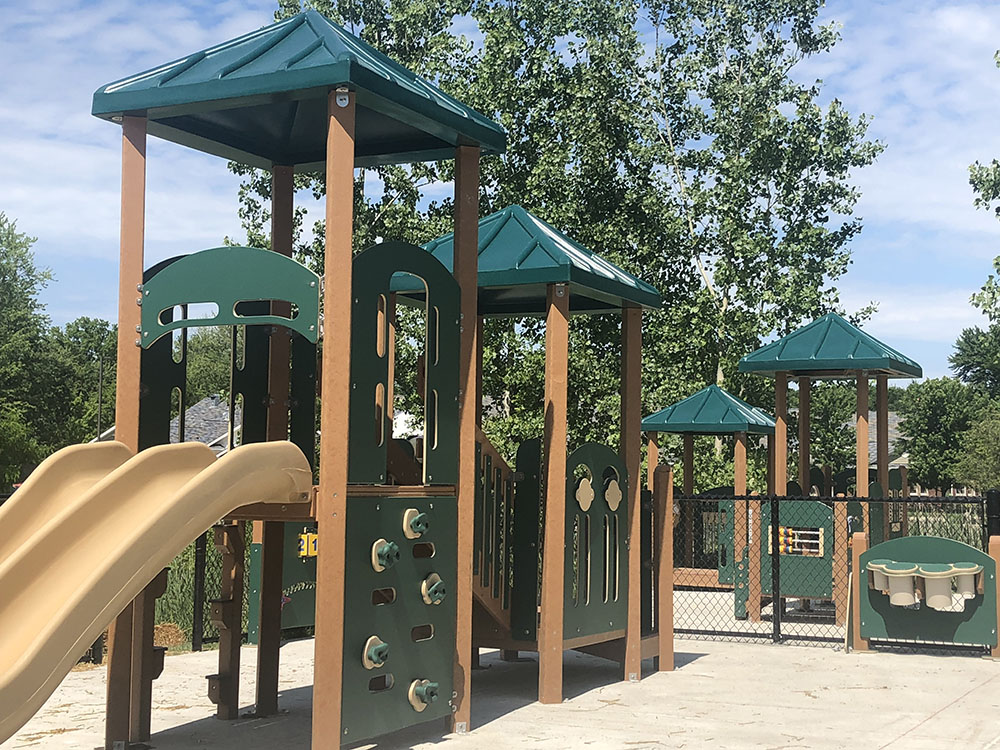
(227, 276)
(596, 554)
(370, 425)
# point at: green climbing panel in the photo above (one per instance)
(390, 605)
(596, 553)
(807, 557)
(230, 277)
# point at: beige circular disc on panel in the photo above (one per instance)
(613, 494)
(585, 494)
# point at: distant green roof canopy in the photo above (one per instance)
(261, 99)
(711, 411)
(830, 347)
(520, 255)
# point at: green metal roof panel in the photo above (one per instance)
(829, 346)
(261, 99)
(519, 255)
(710, 411)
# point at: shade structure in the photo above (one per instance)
(261, 99)
(520, 255)
(830, 347)
(710, 411)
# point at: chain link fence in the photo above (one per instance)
(778, 569)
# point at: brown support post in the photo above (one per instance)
(663, 502)
(550, 631)
(271, 534)
(805, 389)
(133, 222)
(652, 458)
(331, 499)
(994, 550)
(227, 615)
(780, 472)
(140, 710)
(861, 449)
(688, 508)
(466, 265)
(479, 370)
(390, 353)
(840, 553)
(740, 489)
(882, 443)
(859, 545)
(630, 446)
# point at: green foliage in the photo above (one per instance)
(978, 465)
(976, 359)
(936, 414)
(209, 362)
(702, 166)
(985, 182)
(832, 407)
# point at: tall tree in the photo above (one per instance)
(936, 414)
(976, 359)
(759, 171)
(978, 465)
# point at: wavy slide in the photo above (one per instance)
(92, 526)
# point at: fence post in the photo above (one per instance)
(776, 601)
(994, 552)
(663, 502)
(859, 545)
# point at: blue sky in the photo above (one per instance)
(922, 69)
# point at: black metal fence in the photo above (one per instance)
(778, 568)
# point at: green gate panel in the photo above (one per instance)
(596, 554)
(367, 713)
(805, 576)
(526, 530)
(228, 276)
(882, 621)
(370, 429)
(298, 584)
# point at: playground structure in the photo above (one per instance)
(430, 546)
(725, 539)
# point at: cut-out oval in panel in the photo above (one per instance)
(381, 683)
(423, 550)
(383, 596)
(422, 633)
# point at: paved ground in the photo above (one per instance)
(722, 695)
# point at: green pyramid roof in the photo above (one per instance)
(711, 411)
(519, 255)
(829, 347)
(262, 99)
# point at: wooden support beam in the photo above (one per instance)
(130, 268)
(630, 448)
(271, 534)
(390, 353)
(466, 264)
(805, 391)
(550, 631)
(143, 659)
(663, 502)
(227, 615)
(740, 489)
(861, 449)
(688, 507)
(652, 458)
(770, 465)
(780, 471)
(480, 323)
(859, 545)
(882, 444)
(331, 499)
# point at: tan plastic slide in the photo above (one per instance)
(100, 541)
